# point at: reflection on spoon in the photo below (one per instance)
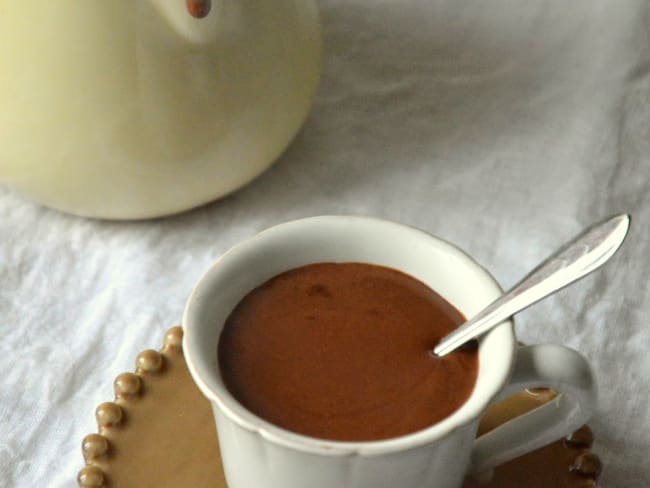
(581, 256)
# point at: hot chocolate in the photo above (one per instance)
(341, 351)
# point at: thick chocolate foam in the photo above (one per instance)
(341, 352)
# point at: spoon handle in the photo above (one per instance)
(581, 256)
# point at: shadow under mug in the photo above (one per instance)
(256, 453)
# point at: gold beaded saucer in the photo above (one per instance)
(160, 432)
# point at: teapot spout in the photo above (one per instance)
(193, 20)
(198, 8)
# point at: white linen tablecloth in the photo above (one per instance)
(503, 126)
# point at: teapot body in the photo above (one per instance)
(109, 110)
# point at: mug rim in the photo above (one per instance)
(236, 412)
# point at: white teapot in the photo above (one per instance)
(131, 109)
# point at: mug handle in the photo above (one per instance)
(545, 365)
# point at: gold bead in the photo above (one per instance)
(90, 476)
(174, 338)
(149, 361)
(94, 446)
(127, 384)
(583, 437)
(108, 414)
(587, 464)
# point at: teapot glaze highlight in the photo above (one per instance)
(135, 108)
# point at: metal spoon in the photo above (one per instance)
(581, 256)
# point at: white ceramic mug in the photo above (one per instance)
(258, 454)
